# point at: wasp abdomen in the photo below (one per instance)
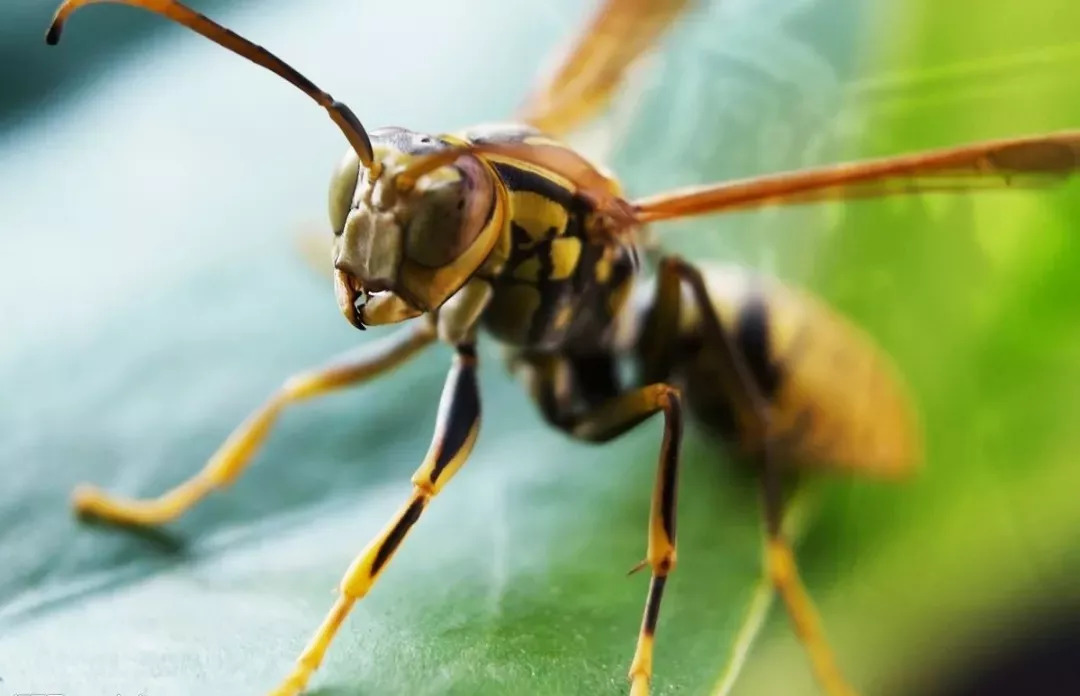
(827, 395)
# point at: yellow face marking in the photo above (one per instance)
(537, 214)
(565, 253)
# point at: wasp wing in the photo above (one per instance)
(592, 69)
(1028, 162)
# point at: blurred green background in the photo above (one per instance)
(151, 187)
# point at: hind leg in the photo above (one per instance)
(753, 414)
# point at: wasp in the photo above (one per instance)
(504, 231)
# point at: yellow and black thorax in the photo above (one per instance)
(558, 283)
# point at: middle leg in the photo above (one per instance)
(606, 421)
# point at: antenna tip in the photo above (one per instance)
(52, 36)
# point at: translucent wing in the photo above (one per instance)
(585, 80)
(1034, 161)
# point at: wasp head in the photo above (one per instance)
(403, 248)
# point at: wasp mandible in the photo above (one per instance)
(505, 229)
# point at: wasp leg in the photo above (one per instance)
(611, 418)
(753, 411)
(608, 421)
(235, 454)
(455, 433)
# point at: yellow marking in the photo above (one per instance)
(641, 667)
(312, 656)
(422, 478)
(500, 254)
(369, 565)
(602, 270)
(565, 253)
(529, 269)
(537, 214)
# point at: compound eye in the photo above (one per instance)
(450, 217)
(342, 189)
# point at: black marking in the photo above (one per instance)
(596, 377)
(52, 36)
(522, 244)
(464, 411)
(670, 464)
(591, 321)
(584, 276)
(551, 295)
(396, 535)
(752, 340)
(551, 407)
(772, 496)
(517, 179)
(652, 607)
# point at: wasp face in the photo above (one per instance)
(400, 252)
(368, 218)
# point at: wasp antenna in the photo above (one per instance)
(340, 114)
(425, 164)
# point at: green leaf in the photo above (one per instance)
(151, 298)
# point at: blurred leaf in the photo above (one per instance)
(153, 301)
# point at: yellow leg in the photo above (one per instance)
(785, 576)
(610, 420)
(783, 571)
(456, 430)
(754, 413)
(235, 454)
(760, 604)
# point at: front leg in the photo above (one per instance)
(455, 433)
(233, 457)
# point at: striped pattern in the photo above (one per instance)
(560, 287)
